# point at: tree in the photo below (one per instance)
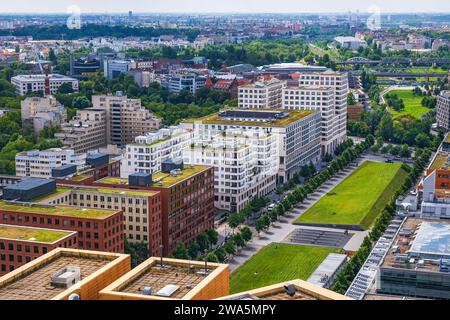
(423, 140)
(229, 247)
(385, 128)
(81, 102)
(180, 251)
(351, 101)
(137, 251)
(203, 242)
(221, 254)
(246, 233)
(238, 240)
(65, 88)
(211, 257)
(213, 236)
(193, 249)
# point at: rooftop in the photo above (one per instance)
(32, 234)
(184, 276)
(260, 117)
(56, 210)
(161, 179)
(419, 245)
(440, 161)
(301, 290)
(33, 280)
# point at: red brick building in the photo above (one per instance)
(97, 229)
(20, 245)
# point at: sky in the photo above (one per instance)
(225, 6)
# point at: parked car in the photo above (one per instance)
(271, 207)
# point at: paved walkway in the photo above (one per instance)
(281, 229)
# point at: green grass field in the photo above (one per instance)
(277, 263)
(360, 198)
(412, 103)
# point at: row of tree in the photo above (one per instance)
(301, 193)
(255, 205)
(349, 272)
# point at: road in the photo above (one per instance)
(284, 227)
(391, 88)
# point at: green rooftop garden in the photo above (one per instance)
(31, 234)
(57, 210)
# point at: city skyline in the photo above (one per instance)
(204, 6)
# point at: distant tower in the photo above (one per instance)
(47, 81)
(130, 14)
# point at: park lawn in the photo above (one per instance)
(278, 263)
(360, 198)
(413, 104)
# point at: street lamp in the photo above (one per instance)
(161, 247)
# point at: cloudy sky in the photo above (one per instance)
(245, 6)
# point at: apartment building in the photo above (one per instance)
(149, 151)
(338, 82)
(20, 245)
(125, 118)
(39, 112)
(36, 83)
(39, 164)
(297, 133)
(261, 94)
(245, 165)
(320, 99)
(443, 110)
(86, 131)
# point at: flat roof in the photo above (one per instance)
(255, 117)
(440, 161)
(66, 211)
(303, 291)
(327, 268)
(61, 189)
(29, 183)
(432, 238)
(185, 276)
(32, 281)
(32, 234)
(412, 244)
(161, 179)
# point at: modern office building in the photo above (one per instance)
(245, 164)
(320, 99)
(113, 68)
(297, 133)
(187, 81)
(261, 94)
(86, 131)
(64, 274)
(39, 164)
(443, 110)
(125, 118)
(149, 151)
(351, 43)
(82, 68)
(290, 290)
(173, 279)
(39, 112)
(36, 83)
(418, 262)
(184, 196)
(20, 245)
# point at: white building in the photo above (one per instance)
(443, 110)
(322, 100)
(245, 164)
(297, 133)
(113, 68)
(148, 151)
(38, 112)
(39, 164)
(261, 94)
(351, 43)
(187, 81)
(36, 83)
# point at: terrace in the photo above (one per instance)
(33, 280)
(176, 279)
(32, 234)
(292, 116)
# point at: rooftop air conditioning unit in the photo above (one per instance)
(66, 277)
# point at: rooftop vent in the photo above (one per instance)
(290, 290)
(168, 290)
(66, 277)
(147, 291)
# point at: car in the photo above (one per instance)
(389, 161)
(271, 207)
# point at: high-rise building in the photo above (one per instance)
(261, 94)
(39, 112)
(443, 110)
(125, 118)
